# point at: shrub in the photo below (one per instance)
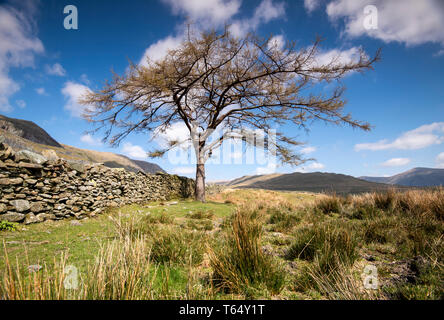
(239, 264)
(8, 226)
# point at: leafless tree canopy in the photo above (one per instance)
(215, 79)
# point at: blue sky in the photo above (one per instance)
(44, 68)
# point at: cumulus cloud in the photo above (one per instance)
(440, 160)
(89, 139)
(21, 104)
(134, 151)
(277, 42)
(208, 12)
(184, 170)
(418, 138)
(213, 13)
(396, 162)
(311, 5)
(337, 57)
(314, 166)
(308, 150)
(265, 12)
(55, 70)
(178, 131)
(18, 47)
(158, 50)
(41, 91)
(73, 92)
(410, 22)
(269, 169)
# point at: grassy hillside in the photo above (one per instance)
(243, 244)
(313, 182)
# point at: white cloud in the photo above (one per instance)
(158, 50)
(265, 12)
(184, 170)
(84, 79)
(308, 150)
(277, 42)
(56, 70)
(396, 162)
(311, 5)
(212, 13)
(410, 22)
(315, 166)
(418, 138)
(311, 167)
(21, 104)
(178, 131)
(41, 91)
(208, 12)
(134, 151)
(337, 57)
(88, 139)
(73, 92)
(440, 160)
(269, 169)
(18, 47)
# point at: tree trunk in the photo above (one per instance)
(200, 182)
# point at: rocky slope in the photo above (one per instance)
(26, 135)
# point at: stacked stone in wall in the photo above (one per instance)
(34, 189)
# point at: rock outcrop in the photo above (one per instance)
(34, 189)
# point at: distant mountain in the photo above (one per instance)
(416, 177)
(23, 134)
(148, 166)
(27, 130)
(313, 182)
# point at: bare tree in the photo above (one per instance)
(215, 80)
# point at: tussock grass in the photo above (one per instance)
(202, 215)
(329, 204)
(282, 219)
(122, 270)
(275, 245)
(329, 245)
(239, 265)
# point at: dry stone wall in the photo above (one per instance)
(34, 189)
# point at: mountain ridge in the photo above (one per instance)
(312, 182)
(416, 177)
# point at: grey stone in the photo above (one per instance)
(12, 217)
(37, 207)
(31, 218)
(34, 268)
(30, 156)
(11, 181)
(20, 205)
(50, 155)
